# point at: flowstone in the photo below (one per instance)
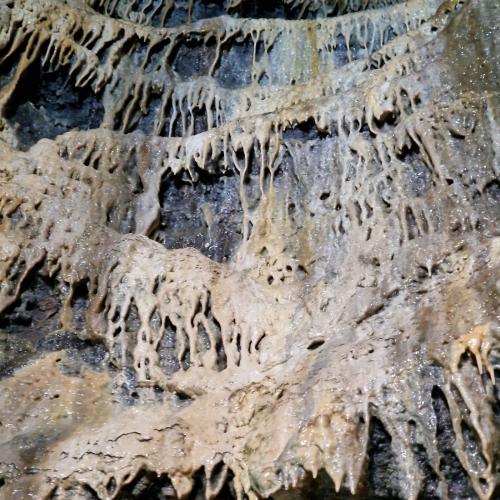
(249, 249)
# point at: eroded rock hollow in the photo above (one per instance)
(249, 249)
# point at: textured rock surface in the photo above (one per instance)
(249, 249)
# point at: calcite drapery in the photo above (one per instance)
(249, 249)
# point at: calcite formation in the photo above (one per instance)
(249, 249)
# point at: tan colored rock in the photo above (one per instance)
(348, 342)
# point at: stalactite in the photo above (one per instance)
(276, 224)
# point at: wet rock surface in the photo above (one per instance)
(249, 249)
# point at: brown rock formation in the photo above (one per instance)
(249, 249)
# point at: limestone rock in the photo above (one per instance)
(249, 249)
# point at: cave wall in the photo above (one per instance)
(249, 249)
